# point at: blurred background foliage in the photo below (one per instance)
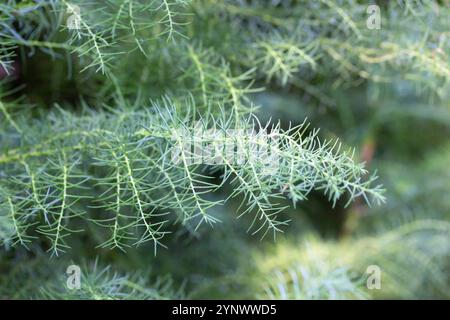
(383, 91)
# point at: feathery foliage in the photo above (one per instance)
(104, 106)
(125, 156)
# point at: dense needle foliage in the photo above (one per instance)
(99, 98)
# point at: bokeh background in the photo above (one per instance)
(384, 91)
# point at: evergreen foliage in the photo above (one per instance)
(97, 97)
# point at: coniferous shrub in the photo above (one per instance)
(171, 148)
